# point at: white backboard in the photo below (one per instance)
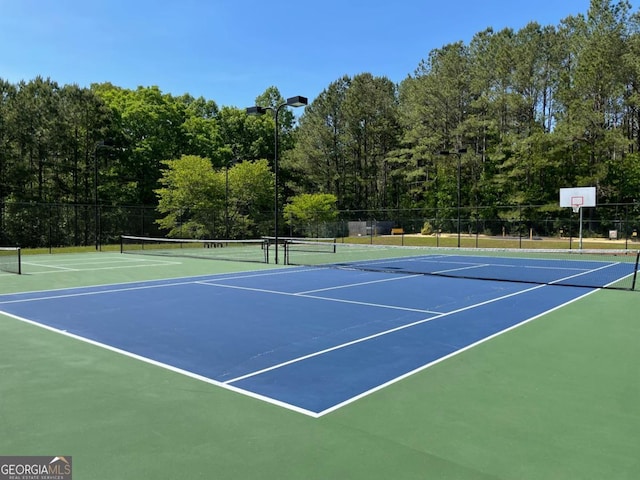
(578, 197)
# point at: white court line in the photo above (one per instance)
(171, 368)
(379, 334)
(92, 292)
(402, 327)
(273, 401)
(277, 402)
(468, 267)
(73, 258)
(98, 268)
(586, 273)
(102, 260)
(326, 299)
(583, 271)
(158, 281)
(357, 284)
(64, 265)
(508, 265)
(142, 284)
(471, 264)
(66, 269)
(108, 260)
(446, 357)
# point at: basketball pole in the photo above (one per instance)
(576, 198)
(580, 210)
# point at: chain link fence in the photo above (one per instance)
(50, 225)
(473, 226)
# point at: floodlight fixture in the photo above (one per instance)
(297, 101)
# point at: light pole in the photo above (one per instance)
(296, 101)
(458, 153)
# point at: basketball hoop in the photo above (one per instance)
(576, 203)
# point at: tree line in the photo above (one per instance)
(521, 113)
(503, 120)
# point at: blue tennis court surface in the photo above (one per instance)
(309, 339)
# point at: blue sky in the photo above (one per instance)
(231, 51)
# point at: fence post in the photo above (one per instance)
(626, 226)
(477, 226)
(437, 229)
(520, 226)
(50, 215)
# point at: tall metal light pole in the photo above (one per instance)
(458, 153)
(296, 101)
(226, 199)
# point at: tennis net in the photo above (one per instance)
(10, 260)
(234, 250)
(616, 269)
(313, 244)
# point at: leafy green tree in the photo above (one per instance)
(198, 201)
(190, 197)
(536, 109)
(151, 130)
(47, 156)
(242, 136)
(435, 104)
(272, 98)
(592, 89)
(344, 138)
(8, 154)
(200, 126)
(306, 212)
(371, 110)
(319, 160)
(251, 194)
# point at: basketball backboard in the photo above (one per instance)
(578, 197)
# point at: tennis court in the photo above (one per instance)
(344, 345)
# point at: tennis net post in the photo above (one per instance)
(11, 260)
(635, 273)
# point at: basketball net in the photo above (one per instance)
(576, 203)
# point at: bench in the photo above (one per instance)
(397, 231)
